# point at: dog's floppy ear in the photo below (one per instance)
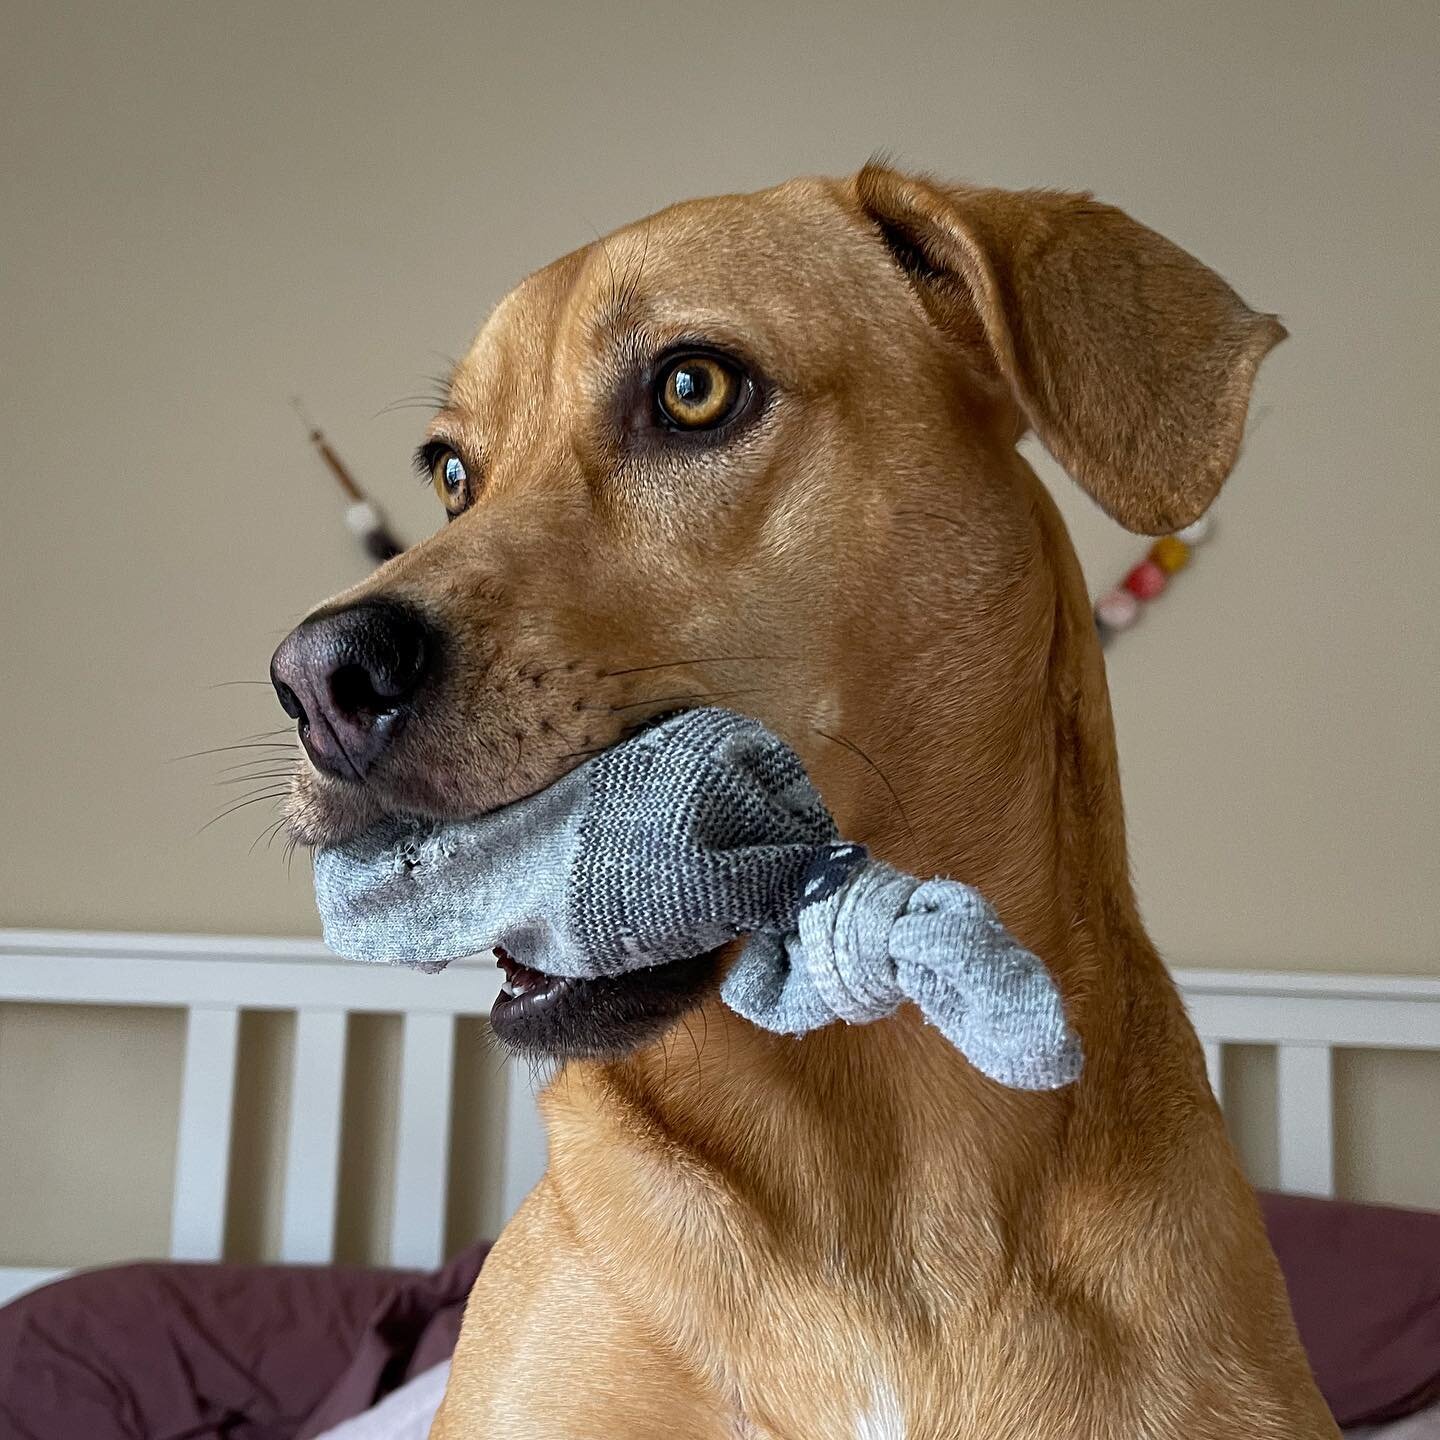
(1131, 361)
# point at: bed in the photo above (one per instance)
(1305, 1019)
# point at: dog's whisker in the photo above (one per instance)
(240, 805)
(631, 287)
(551, 669)
(854, 749)
(695, 1045)
(227, 749)
(267, 835)
(700, 695)
(418, 402)
(624, 734)
(226, 684)
(255, 775)
(281, 766)
(695, 660)
(612, 304)
(258, 740)
(704, 1041)
(931, 515)
(257, 760)
(264, 790)
(443, 383)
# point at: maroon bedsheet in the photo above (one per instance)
(1364, 1284)
(196, 1352)
(219, 1352)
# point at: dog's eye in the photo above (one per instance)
(452, 482)
(698, 392)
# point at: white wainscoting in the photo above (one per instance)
(214, 978)
(1306, 1018)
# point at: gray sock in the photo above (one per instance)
(702, 828)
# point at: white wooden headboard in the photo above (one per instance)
(213, 979)
(1307, 1018)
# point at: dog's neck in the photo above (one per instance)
(1032, 817)
(1013, 786)
(1027, 806)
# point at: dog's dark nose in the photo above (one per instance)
(348, 679)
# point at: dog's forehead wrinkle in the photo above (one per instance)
(776, 251)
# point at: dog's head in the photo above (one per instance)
(759, 451)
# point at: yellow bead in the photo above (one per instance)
(1170, 553)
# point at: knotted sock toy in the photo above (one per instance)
(701, 829)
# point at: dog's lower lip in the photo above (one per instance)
(596, 1018)
(526, 992)
(527, 995)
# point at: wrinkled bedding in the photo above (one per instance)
(221, 1352)
(229, 1352)
(1364, 1283)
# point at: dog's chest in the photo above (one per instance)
(882, 1418)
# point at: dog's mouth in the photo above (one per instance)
(553, 1015)
(536, 1014)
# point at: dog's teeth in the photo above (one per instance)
(506, 991)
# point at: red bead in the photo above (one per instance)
(1145, 581)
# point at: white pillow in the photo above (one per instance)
(404, 1414)
(1423, 1425)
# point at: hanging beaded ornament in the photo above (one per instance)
(363, 518)
(1120, 608)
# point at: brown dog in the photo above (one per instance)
(760, 450)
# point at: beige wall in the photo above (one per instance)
(205, 209)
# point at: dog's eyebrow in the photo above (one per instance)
(450, 423)
(615, 316)
(624, 286)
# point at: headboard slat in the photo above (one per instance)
(422, 1154)
(202, 1141)
(1304, 1099)
(312, 1164)
(1215, 1069)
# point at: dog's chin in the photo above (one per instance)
(320, 811)
(600, 1019)
(534, 1014)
